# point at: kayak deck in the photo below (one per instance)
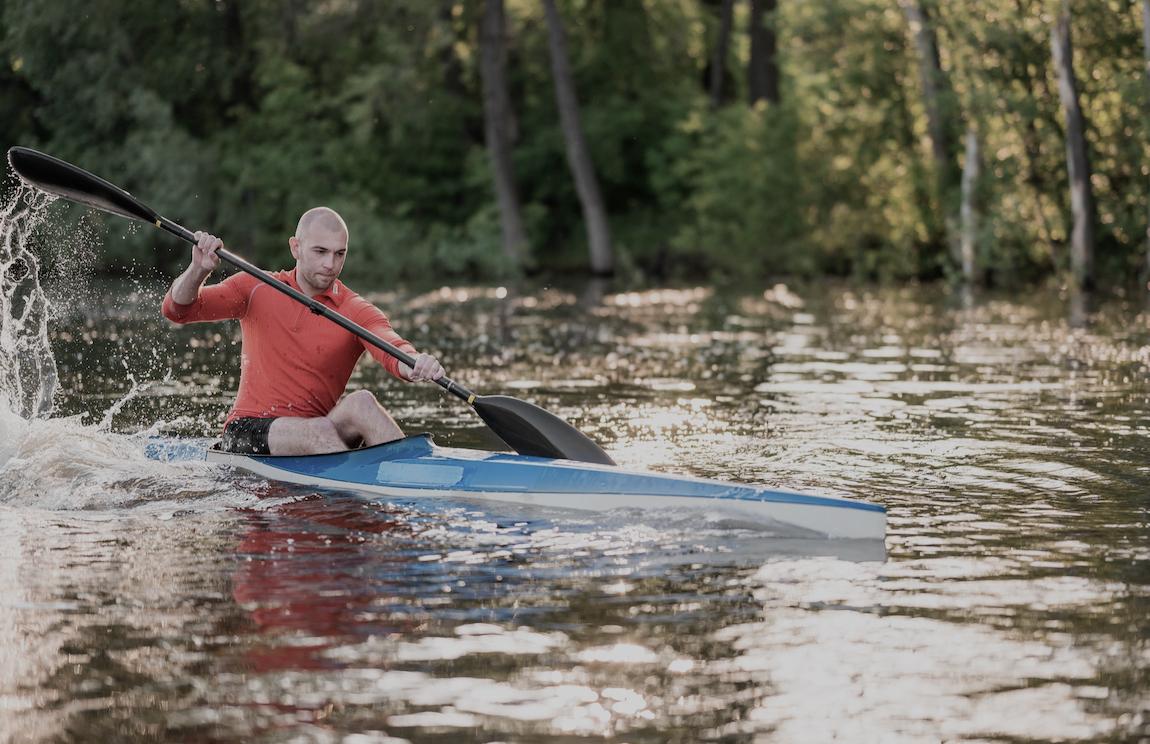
(417, 467)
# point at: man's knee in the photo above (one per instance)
(354, 413)
(362, 400)
(360, 418)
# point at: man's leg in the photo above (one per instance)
(359, 418)
(356, 419)
(304, 436)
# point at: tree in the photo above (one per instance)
(968, 211)
(1146, 109)
(718, 63)
(578, 155)
(763, 70)
(1077, 157)
(936, 97)
(497, 118)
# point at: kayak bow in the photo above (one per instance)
(415, 467)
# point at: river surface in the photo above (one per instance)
(1010, 600)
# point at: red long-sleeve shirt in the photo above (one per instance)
(293, 362)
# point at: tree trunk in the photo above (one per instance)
(578, 155)
(1036, 178)
(1077, 158)
(933, 80)
(763, 73)
(969, 209)
(935, 88)
(1146, 80)
(497, 127)
(719, 53)
(242, 95)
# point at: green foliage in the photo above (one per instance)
(236, 116)
(735, 186)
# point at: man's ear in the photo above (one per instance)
(293, 243)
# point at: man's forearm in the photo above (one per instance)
(186, 288)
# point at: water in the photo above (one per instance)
(179, 601)
(27, 367)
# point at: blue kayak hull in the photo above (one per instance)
(415, 467)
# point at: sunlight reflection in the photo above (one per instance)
(876, 664)
(618, 653)
(675, 297)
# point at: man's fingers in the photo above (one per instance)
(207, 241)
(206, 246)
(426, 368)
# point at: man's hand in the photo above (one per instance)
(186, 287)
(204, 256)
(427, 367)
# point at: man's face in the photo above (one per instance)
(319, 255)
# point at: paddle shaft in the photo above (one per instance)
(317, 307)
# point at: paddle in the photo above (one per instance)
(526, 428)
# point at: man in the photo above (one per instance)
(295, 364)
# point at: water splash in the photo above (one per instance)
(135, 391)
(28, 377)
(60, 462)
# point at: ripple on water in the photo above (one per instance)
(1008, 602)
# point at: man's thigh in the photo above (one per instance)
(303, 436)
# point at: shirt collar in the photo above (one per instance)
(334, 294)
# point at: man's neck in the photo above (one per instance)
(305, 286)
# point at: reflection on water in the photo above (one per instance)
(1009, 602)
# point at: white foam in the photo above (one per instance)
(27, 366)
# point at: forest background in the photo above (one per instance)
(997, 141)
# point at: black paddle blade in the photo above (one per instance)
(530, 430)
(76, 184)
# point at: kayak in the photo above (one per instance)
(415, 468)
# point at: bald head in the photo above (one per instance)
(319, 219)
(319, 247)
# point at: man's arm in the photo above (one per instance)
(186, 288)
(188, 301)
(373, 319)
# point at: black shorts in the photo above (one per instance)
(247, 436)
